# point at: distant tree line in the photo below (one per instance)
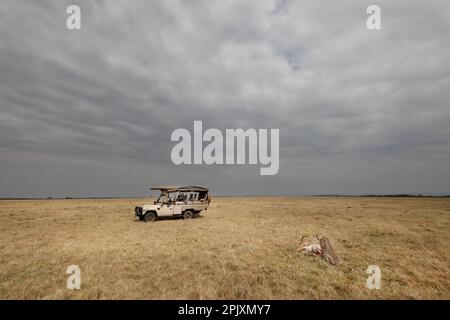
(402, 195)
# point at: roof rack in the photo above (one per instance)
(178, 188)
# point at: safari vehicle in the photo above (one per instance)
(186, 202)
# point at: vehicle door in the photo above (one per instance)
(167, 207)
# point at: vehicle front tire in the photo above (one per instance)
(188, 214)
(149, 216)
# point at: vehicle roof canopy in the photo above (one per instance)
(183, 189)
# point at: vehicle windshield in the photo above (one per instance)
(163, 197)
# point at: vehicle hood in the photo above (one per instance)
(146, 207)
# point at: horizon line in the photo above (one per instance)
(391, 195)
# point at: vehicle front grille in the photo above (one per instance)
(138, 210)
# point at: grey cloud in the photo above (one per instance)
(358, 111)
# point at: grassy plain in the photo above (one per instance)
(241, 248)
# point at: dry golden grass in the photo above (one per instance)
(242, 248)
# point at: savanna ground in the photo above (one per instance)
(241, 248)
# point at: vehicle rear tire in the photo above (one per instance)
(149, 216)
(188, 214)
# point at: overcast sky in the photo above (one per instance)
(90, 112)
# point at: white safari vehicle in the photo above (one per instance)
(186, 202)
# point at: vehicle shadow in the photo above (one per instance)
(160, 219)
